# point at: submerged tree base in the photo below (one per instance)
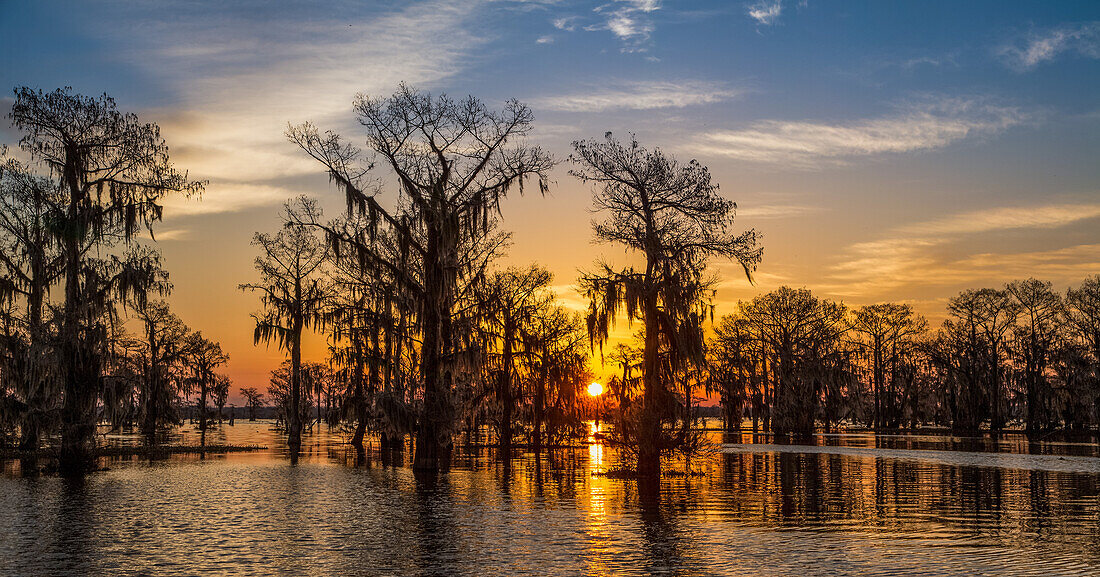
(138, 451)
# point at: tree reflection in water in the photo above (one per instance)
(777, 512)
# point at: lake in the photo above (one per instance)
(856, 504)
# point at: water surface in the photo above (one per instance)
(849, 504)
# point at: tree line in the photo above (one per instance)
(430, 338)
(1022, 356)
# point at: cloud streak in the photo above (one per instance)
(640, 96)
(630, 21)
(920, 127)
(241, 81)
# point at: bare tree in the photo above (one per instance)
(293, 294)
(164, 346)
(802, 335)
(453, 161)
(733, 354)
(203, 359)
(1079, 364)
(555, 364)
(1084, 313)
(984, 317)
(254, 399)
(674, 217)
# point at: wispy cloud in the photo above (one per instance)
(917, 127)
(229, 196)
(567, 23)
(1005, 218)
(628, 20)
(169, 234)
(1036, 48)
(641, 96)
(241, 81)
(776, 210)
(765, 12)
(926, 253)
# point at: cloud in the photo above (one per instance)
(169, 234)
(776, 210)
(628, 20)
(641, 96)
(765, 12)
(570, 296)
(1006, 218)
(242, 80)
(567, 23)
(222, 196)
(1039, 47)
(545, 40)
(926, 253)
(918, 127)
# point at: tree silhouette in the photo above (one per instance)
(674, 217)
(114, 170)
(254, 400)
(165, 345)
(513, 297)
(30, 263)
(453, 162)
(802, 335)
(887, 332)
(293, 295)
(203, 359)
(1035, 340)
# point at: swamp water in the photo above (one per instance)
(856, 504)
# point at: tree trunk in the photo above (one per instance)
(431, 451)
(877, 360)
(152, 391)
(37, 397)
(79, 364)
(294, 419)
(996, 420)
(504, 391)
(539, 409)
(649, 426)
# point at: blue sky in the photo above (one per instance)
(886, 150)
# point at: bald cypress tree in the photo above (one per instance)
(113, 171)
(673, 217)
(294, 295)
(452, 162)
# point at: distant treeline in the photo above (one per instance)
(1021, 356)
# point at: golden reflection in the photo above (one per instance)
(601, 490)
(595, 455)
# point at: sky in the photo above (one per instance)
(886, 151)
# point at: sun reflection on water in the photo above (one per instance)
(772, 512)
(600, 543)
